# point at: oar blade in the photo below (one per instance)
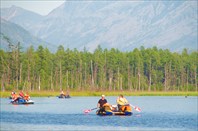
(87, 111)
(137, 109)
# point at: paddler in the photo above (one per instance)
(121, 100)
(101, 103)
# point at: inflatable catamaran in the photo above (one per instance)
(22, 101)
(108, 110)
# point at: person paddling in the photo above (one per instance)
(101, 102)
(12, 94)
(21, 94)
(121, 101)
(62, 94)
(67, 94)
(15, 97)
(26, 97)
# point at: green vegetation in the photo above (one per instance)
(141, 70)
(107, 93)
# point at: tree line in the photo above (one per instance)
(150, 69)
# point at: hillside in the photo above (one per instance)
(114, 24)
(13, 33)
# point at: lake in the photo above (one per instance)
(51, 113)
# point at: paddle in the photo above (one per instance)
(89, 110)
(136, 108)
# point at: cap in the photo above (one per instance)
(103, 95)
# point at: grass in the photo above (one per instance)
(107, 93)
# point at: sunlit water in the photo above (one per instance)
(158, 113)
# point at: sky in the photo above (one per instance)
(42, 7)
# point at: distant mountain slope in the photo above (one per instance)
(118, 24)
(16, 34)
(20, 16)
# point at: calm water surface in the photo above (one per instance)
(158, 113)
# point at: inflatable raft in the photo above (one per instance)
(107, 110)
(22, 101)
(63, 96)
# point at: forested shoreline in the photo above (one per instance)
(143, 69)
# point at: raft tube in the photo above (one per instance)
(125, 110)
(22, 101)
(107, 113)
(62, 96)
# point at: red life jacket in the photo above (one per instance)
(21, 94)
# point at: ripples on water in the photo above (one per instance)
(59, 116)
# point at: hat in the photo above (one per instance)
(103, 95)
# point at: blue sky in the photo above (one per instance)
(38, 6)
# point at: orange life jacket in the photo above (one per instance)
(126, 108)
(107, 107)
(26, 97)
(15, 96)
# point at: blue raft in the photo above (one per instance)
(63, 96)
(22, 101)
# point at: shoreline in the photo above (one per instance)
(6, 94)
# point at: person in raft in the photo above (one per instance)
(26, 96)
(62, 94)
(21, 94)
(67, 94)
(102, 102)
(12, 95)
(15, 97)
(121, 101)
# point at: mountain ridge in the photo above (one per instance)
(122, 25)
(12, 33)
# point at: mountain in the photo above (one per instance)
(117, 24)
(13, 33)
(20, 16)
